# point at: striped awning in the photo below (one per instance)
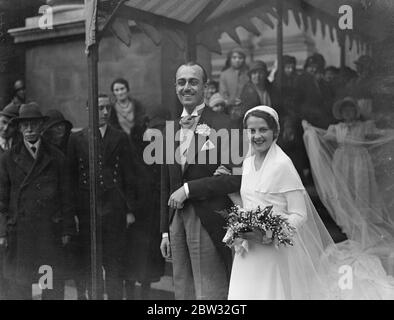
(211, 18)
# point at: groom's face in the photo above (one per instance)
(190, 86)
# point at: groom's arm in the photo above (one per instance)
(164, 195)
(213, 186)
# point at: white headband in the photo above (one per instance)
(265, 109)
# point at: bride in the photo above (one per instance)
(314, 268)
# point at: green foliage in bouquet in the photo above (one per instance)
(264, 220)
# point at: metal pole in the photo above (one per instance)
(279, 45)
(342, 45)
(95, 244)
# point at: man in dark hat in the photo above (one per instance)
(116, 201)
(34, 204)
(7, 127)
(57, 129)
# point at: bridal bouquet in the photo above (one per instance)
(275, 227)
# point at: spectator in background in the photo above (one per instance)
(57, 129)
(117, 207)
(19, 94)
(8, 127)
(211, 88)
(309, 97)
(361, 87)
(234, 76)
(258, 91)
(328, 86)
(346, 75)
(7, 133)
(217, 103)
(331, 74)
(143, 257)
(288, 90)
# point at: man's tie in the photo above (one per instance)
(187, 122)
(34, 149)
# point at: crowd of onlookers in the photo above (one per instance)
(307, 94)
(44, 176)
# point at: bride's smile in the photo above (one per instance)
(261, 135)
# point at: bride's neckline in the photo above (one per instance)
(254, 163)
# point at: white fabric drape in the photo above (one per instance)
(345, 162)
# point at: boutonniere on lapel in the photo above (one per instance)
(204, 130)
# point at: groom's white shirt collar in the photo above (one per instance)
(195, 111)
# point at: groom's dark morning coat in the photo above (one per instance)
(207, 193)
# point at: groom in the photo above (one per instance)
(192, 229)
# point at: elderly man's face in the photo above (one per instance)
(31, 129)
(190, 86)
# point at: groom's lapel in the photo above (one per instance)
(197, 141)
(177, 166)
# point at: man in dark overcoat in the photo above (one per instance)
(116, 199)
(7, 131)
(34, 205)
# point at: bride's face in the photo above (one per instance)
(260, 134)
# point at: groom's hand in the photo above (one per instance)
(177, 198)
(165, 248)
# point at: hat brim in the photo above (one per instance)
(50, 124)
(9, 115)
(337, 108)
(18, 120)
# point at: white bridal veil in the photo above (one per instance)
(317, 268)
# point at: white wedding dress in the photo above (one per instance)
(262, 272)
(311, 269)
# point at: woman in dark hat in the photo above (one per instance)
(57, 129)
(258, 91)
(234, 76)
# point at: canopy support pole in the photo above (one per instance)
(342, 45)
(279, 45)
(95, 227)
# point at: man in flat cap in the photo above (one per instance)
(34, 205)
